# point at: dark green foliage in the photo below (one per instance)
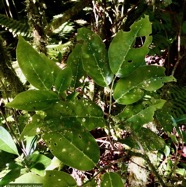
(14, 26)
(67, 121)
(174, 109)
(7, 73)
(95, 108)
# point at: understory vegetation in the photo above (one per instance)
(93, 93)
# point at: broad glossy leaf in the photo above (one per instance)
(87, 113)
(94, 57)
(33, 100)
(123, 57)
(75, 63)
(6, 142)
(72, 144)
(63, 80)
(134, 116)
(131, 89)
(111, 179)
(35, 68)
(58, 179)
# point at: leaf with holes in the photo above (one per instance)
(63, 80)
(136, 115)
(6, 142)
(87, 113)
(94, 57)
(58, 178)
(35, 68)
(111, 179)
(124, 58)
(75, 63)
(71, 143)
(33, 100)
(130, 89)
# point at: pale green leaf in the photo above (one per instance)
(55, 163)
(111, 179)
(29, 178)
(6, 142)
(123, 57)
(94, 57)
(33, 100)
(130, 89)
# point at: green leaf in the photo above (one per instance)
(29, 178)
(134, 116)
(87, 113)
(123, 57)
(35, 68)
(90, 183)
(38, 163)
(58, 179)
(55, 164)
(33, 100)
(7, 158)
(131, 89)
(164, 117)
(75, 63)
(63, 80)
(31, 128)
(6, 142)
(149, 140)
(10, 176)
(72, 144)
(111, 179)
(94, 57)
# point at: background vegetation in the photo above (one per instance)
(73, 112)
